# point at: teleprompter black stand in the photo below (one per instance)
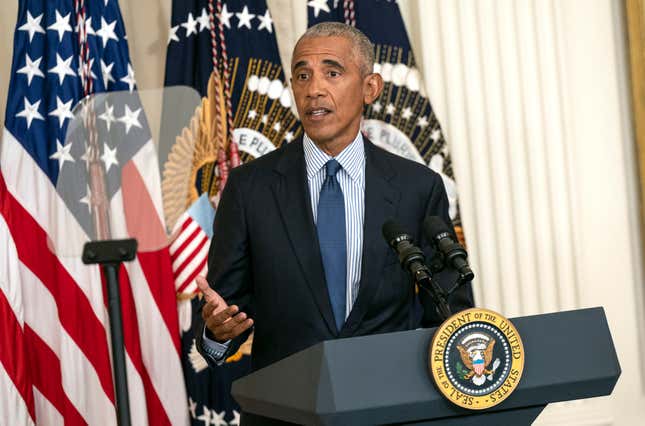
(383, 379)
(110, 254)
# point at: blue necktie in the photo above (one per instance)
(331, 236)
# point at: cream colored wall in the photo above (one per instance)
(533, 96)
(8, 13)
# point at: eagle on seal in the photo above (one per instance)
(477, 360)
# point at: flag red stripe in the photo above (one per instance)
(186, 221)
(81, 323)
(141, 217)
(47, 377)
(154, 263)
(192, 276)
(158, 273)
(156, 412)
(13, 355)
(192, 255)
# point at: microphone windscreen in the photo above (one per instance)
(391, 231)
(433, 226)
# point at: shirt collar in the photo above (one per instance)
(351, 159)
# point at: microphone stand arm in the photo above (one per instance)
(424, 281)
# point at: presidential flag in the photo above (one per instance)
(401, 120)
(54, 347)
(226, 50)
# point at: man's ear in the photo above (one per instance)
(373, 87)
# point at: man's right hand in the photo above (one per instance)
(224, 322)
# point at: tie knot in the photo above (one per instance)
(332, 167)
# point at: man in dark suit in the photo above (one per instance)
(297, 252)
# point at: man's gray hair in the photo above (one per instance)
(362, 45)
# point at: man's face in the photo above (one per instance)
(329, 89)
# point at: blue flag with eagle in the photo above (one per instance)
(401, 120)
(227, 51)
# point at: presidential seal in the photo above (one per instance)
(476, 358)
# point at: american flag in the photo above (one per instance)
(189, 250)
(54, 348)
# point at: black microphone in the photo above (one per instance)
(454, 254)
(411, 257)
(413, 260)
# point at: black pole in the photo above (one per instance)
(110, 254)
(118, 350)
(425, 282)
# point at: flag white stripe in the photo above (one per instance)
(136, 394)
(185, 217)
(194, 263)
(10, 273)
(88, 280)
(183, 236)
(189, 250)
(46, 413)
(192, 287)
(199, 265)
(11, 401)
(147, 163)
(158, 350)
(185, 283)
(118, 225)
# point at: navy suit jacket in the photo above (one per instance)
(265, 256)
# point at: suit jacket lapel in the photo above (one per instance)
(381, 201)
(291, 192)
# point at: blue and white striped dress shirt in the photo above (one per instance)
(351, 178)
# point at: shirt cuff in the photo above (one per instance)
(215, 349)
